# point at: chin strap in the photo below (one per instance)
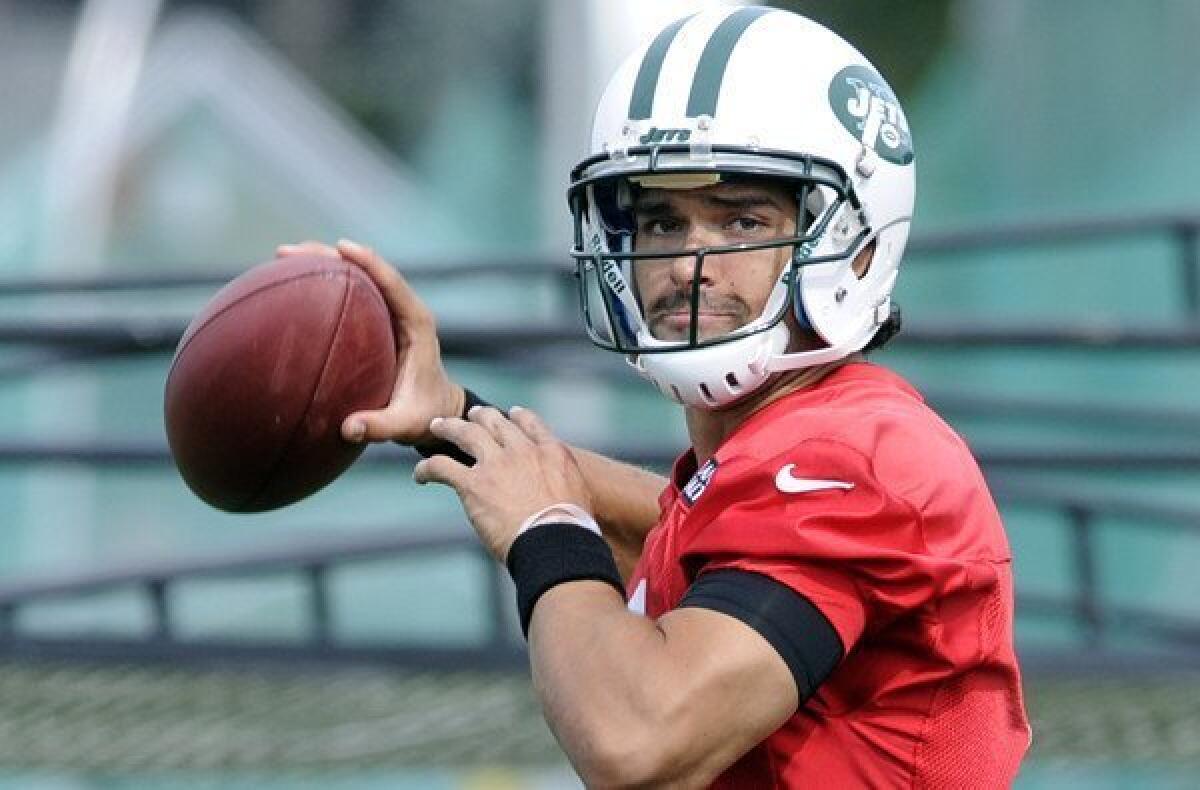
(889, 329)
(796, 360)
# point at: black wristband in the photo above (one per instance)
(443, 447)
(552, 554)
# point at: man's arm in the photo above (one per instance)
(635, 702)
(624, 501)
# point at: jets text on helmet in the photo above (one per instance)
(656, 135)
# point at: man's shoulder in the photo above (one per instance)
(860, 407)
(865, 423)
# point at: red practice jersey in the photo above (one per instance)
(857, 496)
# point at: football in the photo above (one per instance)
(264, 376)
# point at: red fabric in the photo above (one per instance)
(911, 566)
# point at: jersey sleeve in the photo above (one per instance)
(858, 554)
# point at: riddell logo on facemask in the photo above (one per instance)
(656, 135)
(612, 276)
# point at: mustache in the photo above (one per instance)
(673, 301)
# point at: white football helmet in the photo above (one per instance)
(735, 94)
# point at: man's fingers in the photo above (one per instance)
(441, 469)
(473, 438)
(531, 424)
(368, 426)
(401, 299)
(500, 427)
(306, 248)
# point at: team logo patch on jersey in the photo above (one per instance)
(695, 487)
(868, 109)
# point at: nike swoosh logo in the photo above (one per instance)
(802, 485)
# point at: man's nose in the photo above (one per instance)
(703, 234)
(685, 269)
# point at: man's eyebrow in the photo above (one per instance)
(743, 201)
(654, 206)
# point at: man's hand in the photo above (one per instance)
(422, 390)
(520, 468)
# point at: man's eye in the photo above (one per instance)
(660, 227)
(747, 224)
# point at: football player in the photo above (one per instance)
(821, 593)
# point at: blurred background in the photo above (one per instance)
(150, 150)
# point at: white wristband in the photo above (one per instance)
(562, 513)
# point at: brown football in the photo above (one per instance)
(264, 376)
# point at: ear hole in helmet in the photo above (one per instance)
(814, 203)
(732, 381)
(862, 261)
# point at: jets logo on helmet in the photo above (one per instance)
(731, 95)
(868, 109)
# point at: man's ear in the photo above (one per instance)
(862, 261)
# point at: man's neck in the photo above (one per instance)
(709, 429)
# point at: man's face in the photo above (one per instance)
(734, 288)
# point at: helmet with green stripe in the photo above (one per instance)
(734, 95)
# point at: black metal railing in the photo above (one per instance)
(311, 564)
(499, 646)
(98, 337)
(1082, 515)
(1183, 230)
(1058, 457)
